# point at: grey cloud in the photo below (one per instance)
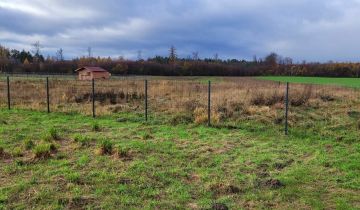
(303, 29)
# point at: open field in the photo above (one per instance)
(346, 82)
(67, 159)
(64, 161)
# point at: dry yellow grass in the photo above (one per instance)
(230, 96)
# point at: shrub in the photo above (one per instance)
(28, 144)
(105, 147)
(327, 97)
(180, 119)
(237, 106)
(259, 99)
(274, 98)
(191, 104)
(301, 98)
(224, 111)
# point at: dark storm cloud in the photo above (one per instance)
(303, 29)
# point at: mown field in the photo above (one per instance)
(68, 160)
(346, 82)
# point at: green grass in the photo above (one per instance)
(347, 82)
(184, 166)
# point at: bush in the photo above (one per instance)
(327, 97)
(301, 98)
(181, 119)
(259, 99)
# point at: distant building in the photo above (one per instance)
(89, 73)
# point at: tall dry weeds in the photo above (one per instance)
(230, 97)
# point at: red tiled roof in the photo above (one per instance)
(92, 69)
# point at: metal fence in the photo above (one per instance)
(201, 100)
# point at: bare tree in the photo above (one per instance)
(195, 55)
(37, 51)
(89, 51)
(36, 48)
(139, 55)
(4, 58)
(288, 61)
(60, 55)
(255, 60)
(216, 57)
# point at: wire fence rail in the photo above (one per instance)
(202, 100)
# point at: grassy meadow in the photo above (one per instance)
(68, 160)
(346, 82)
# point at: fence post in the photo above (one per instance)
(209, 103)
(127, 90)
(47, 95)
(286, 108)
(8, 92)
(93, 97)
(146, 100)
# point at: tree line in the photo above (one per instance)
(14, 61)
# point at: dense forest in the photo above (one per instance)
(14, 61)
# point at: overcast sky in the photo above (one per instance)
(312, 30)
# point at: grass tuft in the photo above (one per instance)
(54, 134)
(96, 127)
(3, 154)
(44, 150)
(28, 144)
(105, 147)
(201, 116)
(51, 135)
(73, 177)
(83, 140)
(123, 152)
(17, 152)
